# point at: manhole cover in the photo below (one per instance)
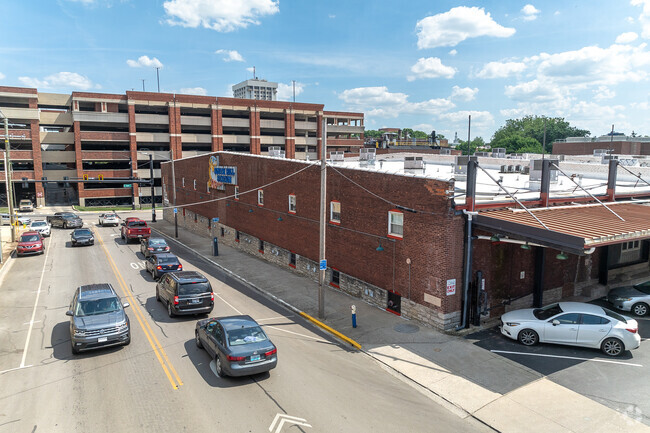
(406, 328)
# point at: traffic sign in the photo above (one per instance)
(215, 220)
(128, 185)
(175, 210)
(323, 265)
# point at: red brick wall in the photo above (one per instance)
(216, 117)
(587, 148)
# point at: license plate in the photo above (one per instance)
(102, 339)
(255, 358)
(195, 301)
(139, 236)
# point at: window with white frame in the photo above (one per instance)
(194, 184)
(292, 203)
(236, 192)
(396, 223)
(335, 212)
(260, 197)
(183, 181)
(631, 245)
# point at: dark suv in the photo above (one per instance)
(65, 220)
(185, 292)
(97, 318)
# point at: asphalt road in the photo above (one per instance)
(162, 382)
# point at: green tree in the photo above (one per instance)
(512, 135)
(420, 135)
(372, 133)
(475, 144)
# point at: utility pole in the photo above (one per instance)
(544, 141)
(174, 196)
(158, 77)
(143, 85)
(8, 178)
(323, 214)
(294, 90)
(611, 139)
(133, 184)
(153, 195)
(469, 128)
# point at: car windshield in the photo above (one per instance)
(83, 233)
(157, 242)
(168, 260)
(137, 224)
(29, 238)
(547, 312)
(24, 202)
(193, 288)
(97, 306)
(110, 215)
(39, 224)
(69, 217)
(643, 287)
(254, 334)
(614, 315)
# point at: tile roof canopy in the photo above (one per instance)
(573, 228)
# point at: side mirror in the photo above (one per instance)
(126, 304)
(555, 322)
(69, 313)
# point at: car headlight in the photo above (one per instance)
(79, 332)
(619, 298)
(512, 323)
(123, 327)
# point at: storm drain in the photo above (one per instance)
(406, 328)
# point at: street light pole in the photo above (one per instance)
(153, 195)
(8, 178)
(158, 77)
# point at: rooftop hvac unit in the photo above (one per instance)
(444, 151)
(482, 154)
(536, 170)
(337, 156)
(504, 169)
(276, 151)
(525, 169)
(604, 159)
(498, 152)
(367, 154)
(601, 152)
(413, 162)
(511, 169)
(460, 167)
(518, 168)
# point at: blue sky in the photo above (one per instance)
(423, 65)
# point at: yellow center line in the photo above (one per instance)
(144, 324)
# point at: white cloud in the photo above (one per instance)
(603, 92)
(285, 91)
(145, 62)
(230, 55)
(450, 28)
(331, 16)
(426, 127)
(379, 102)
(60, 80)
(556, 13)
(644, 18)
(453, 52)
(533, 91)
(626, 38)
(194, 91)
(463, 93)
(530, 12)
(430, 67)
(501, 69)
(2, 76)
(481, 120)
(640, 105)
(219, 15)
(251, 69)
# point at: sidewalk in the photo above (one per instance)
(467, 379)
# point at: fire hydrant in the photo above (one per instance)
(354, 315)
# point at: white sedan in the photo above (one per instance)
(40, 226)
(109, 219)
(574, 324)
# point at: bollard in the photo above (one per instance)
(215, 246)
(354, 315)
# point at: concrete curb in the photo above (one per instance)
(330, 330)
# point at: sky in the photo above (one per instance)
(424, 65)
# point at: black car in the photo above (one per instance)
(66, 220)
(161, 263)
(82, 237)
(185, 292)
(238, 344)
(151, 246)
(97, 318)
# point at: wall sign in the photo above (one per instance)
(451, 287)
(221, 175)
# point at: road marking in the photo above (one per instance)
(167, 366)
(31, 321)
(288, 419)
(14, 369)
(295, 333)
(226, 302)
(567, 357)
(271, 318)
(137, 265)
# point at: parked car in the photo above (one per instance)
(185, 292)
(238, 345)
(25, 205)
(30, 242)
(111, 218)
(134, 229)
(18, 219)
(82, 237)
(574, 324)
(162, 263)
(65, 220)
(634, 298)
(97, 318)
(40, 226)
(6, 219)
(151, 246)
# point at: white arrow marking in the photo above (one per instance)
(287, 418)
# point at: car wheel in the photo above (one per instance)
(218, 367)
(198, 340)
(528, 337)
(612, 347)
(157, 295)
(170, 312)
(65, 225)
(640, 309)
(128, 340)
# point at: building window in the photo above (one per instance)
(292, 203)
(236, 235)
(260, 197)
(194, 184)
(292, 259)
(395, 224)
(336, 278)
(183, 182)
(632, 245)
(223, 232)
(261, 246)
(335, 212)
(236, 192)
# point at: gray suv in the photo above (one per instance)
(185, 292)
(97, 318)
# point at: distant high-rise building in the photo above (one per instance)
(256, 89)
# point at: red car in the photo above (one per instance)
(30, 243)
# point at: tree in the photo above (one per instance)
(475, 144)
(372, 133)
(533, 127)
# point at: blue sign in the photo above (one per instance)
(175, 210)
(323, 265)
(215, 220)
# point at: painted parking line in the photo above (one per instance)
(567, 357)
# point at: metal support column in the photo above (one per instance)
(538, 277)
(467, 271)
(153, 195)
(322, 225)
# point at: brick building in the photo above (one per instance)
(619, 145)
(67, 136)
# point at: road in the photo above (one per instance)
(162, 382)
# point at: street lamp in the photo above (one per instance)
(8, 177)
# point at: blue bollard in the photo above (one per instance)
(354, 315)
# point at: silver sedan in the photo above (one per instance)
(574, 324)
(631, 298)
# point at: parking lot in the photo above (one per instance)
(622, 383)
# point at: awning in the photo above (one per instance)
(573, 228)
